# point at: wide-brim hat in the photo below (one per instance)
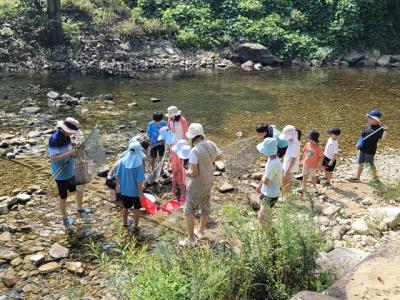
(184, 152)
(288, 132)
(375, 114)
(268, 147)
(173, 111)
(178, 146)
(70, 125)
(195, 129)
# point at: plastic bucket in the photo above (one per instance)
(171, 205)
(148, 203)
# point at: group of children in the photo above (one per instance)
(192, 158)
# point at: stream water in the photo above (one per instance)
(227, 101)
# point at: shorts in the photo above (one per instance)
(325, 163)
(268, 201)
(365, 158)
(159, 149)
(309, 172)
(128, 201)
(282, 152)
(192, 204)
(65, 186)
(111, 183)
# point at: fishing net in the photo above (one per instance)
(91, 158)
(240, 156)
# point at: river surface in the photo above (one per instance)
(226, 101)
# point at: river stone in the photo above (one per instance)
(329, 210)
(395, 58)
(37, 259)
(31, 110)
(23, 198)
(57, 251)
(340, 260)
(133, 104)
(220, 165)
(53, 95)
(307, 295)
(154, 100)
(49, 267)
(360, 227)
(390, 215)
(16, 261)
(257, 175)
(258, 66)
(323, 220)
(5, 237)
(3, 208)
(353, 58)
(9, 281)
(226, 187)
(108, 97)
(75, 267)
(383, 61)
(248, 65)
(8, 255)
(255, 52)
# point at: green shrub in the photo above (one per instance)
(8, 9)
(71, 30)
(84, 7)
(129, 29)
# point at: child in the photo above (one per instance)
(312, 159)
(157, 148)
(129, 178)
(271, 181)
(330, 153)
(265, 131)
(372, 133)
(184, 154)
(178, 174)
(291, 159)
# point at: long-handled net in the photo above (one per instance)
(240, 156)
(91, 158)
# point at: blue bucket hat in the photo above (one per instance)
(268, 147)
(134, 156)
(375, 114)
(178, 146)
(166, 135)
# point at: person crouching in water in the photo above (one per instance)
(178, 174)
(130, 177)
(201, 180)
(271, 181)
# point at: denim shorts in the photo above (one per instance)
(365, 158)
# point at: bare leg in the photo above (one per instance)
(79, 199)
(63, 208)
(287, 186)
(305, 177)
(374, 171)
(314, 181)
(125, 213)
(182, 187)
(359, 171)
(262, 216)
(328, 176)
(136, 217)
(173, 189)
(190, 227)
(203, 223)
(152, 163)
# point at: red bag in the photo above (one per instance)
(148, 203)
(171, 205)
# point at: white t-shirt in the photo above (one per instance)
(193, 157)
(273, 172)
(293, 150)
(177, 129)
(331, 148)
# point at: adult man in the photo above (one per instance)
(202, 156)
(63, 165)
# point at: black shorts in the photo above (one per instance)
(282, 151)
(65, 186)
(128, 201)
(268, 201)
(111, 183)
(328, 168)
(159, 149)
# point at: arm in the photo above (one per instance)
(291, 165)
(117, 186)
(220, 157)
(193, 170)
(140, 188)
(332, 160)
(385, 131)
(264, 180)
(61, 156)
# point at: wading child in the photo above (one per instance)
(371, 134)
(291, 160)
(270, 184)
(312, 159)
(178, 125)
(129, 178)
(157, 148)
(63, 166)
(201, 180)
(178, 174)
(330, 153)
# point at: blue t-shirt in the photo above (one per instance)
(58, 144)
(153, 131)
(129, 179)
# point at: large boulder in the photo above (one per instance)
(395, 58)
(340, 260)
(360, 227)
(354, 58)
(389, 216)
(383, 61)
(256, 53)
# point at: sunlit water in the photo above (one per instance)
(230, 101)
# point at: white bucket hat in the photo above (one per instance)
(195, 129)
(173, 112)
(184, 153)
(178, 146)
(288, 132)
(70, 125)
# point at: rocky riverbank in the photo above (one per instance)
(37, 253)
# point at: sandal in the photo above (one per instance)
(85, 211)
(354, 179)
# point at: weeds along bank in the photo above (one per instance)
(242, 261)
(117, 37)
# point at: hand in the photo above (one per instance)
(385, 127)
(321, 168)
(73, 152)
(330, 163)
(258, 189)
(286, 177)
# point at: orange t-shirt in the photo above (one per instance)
(312, 154)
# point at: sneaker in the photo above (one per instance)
(199, 235)
(85, 211)
(187, 243)
(68, 222)
(135, 229)
(354, 179)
